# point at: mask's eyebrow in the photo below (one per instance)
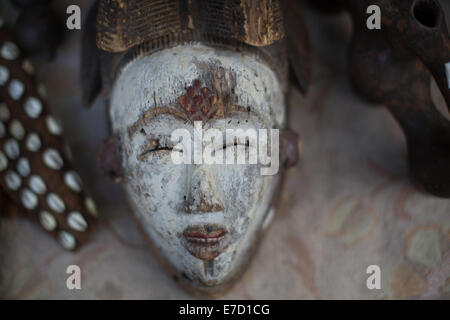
(153, 113)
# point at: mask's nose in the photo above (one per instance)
(202, 195)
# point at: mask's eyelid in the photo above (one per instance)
(236, 143)
(157, 144)
(151, 144)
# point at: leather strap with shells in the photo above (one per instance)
(35, 173)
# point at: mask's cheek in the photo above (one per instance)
(256, 192)
(155, 185)
(155, 197)
(239, 185)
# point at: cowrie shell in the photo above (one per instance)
(33, 107)
(37, 185)
(91, 207)
(28, 67)
(47, 220)
(67, 240)
(17, 130)
(56, 203)
(33, 142)
(77, 222)
(73, 181)
(29, 199)
(9, 51)
(54, 126)
(16, 89)
(4, 75)
(53, 159)
(23, 167)
(13, 180)
(12, 149)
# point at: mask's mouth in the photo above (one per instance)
(205, 242)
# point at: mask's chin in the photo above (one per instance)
(215, 267)
(215, 275)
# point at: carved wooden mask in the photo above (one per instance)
(165, 66)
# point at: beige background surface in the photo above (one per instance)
(348, 204)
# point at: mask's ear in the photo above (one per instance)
(90, 59)
(297, 43)
(289, 148)
(109, 159)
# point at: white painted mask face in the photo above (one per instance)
(205, 219)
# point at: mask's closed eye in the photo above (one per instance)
(224, 146)
(156, 145)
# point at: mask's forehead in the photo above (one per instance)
(159, 80)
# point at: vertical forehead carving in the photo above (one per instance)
(199, 101)
(210, 96)
(123, 24)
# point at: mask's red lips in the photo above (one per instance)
(200, 234)
(205, 242)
